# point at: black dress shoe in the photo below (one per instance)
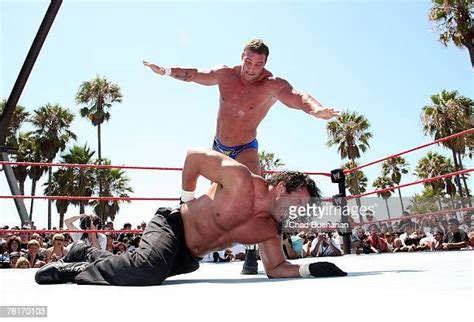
(59, 272)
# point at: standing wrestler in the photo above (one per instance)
(247, 92)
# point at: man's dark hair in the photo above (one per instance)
(257, 46)
(86, 222)
(374, 226)
(453, 221)
(294, 180)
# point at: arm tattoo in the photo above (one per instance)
(186, 77)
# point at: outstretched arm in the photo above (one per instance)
(203, 77)
(276, 266)
(302, 101)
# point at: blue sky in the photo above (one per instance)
(379, 58)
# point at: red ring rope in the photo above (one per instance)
(347, 171)
(411, 183)
(90, 198)
(129, 167)
(440, 212)
(67, 231)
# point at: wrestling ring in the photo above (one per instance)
(217, 291)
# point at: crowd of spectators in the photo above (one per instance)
(428, 233)
(452, 231)
(407, 234)
(25, 249)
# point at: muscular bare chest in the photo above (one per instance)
(216, 224)
(240, 100)
(256, 230)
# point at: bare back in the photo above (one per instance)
(243, 106)
(214, 222)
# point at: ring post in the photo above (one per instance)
(15, 94)
(340, 201)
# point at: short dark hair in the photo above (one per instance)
(453, 221)
(373, 226)
(293, 180)
(257, 46)
(85, 222)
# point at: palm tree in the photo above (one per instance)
(350, 132)
(450, 190)
(454, 23)
(19, 116)
(433, 165)
(114, 184)
(465, 106)
(20, 141)
(268, 162)
(25, 145)
(84, 179)
(423, 203)
(60, 184)
(52, 132)
(98, 95)
(394, 168)
(384, 182)
(450, 114)
(355, 181)
(35, 172)
(74, 181)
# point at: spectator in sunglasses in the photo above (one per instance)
(57, 251)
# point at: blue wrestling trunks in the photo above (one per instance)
(233, 151)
